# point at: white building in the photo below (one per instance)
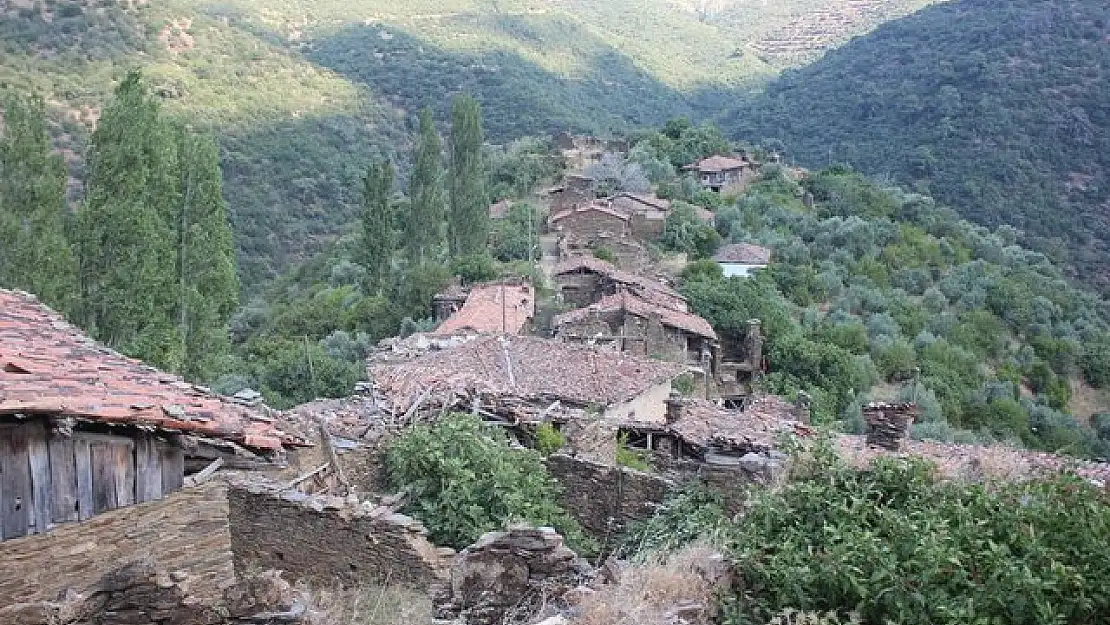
(742, 259)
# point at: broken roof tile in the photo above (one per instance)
(493, 308)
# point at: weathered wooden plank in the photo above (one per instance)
(82, 464)
(15, 471)
(103, 476)
(38, 453)
(63, 479)
(148, 468)
(125, 474)
(173, 468)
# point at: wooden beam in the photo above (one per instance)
(15, 473)
(82, 465)
(173, 468)
(148, 468)
(63, 479)
(39, 455)
(103, 476)
(124, 474)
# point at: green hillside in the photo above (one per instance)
(995, 107)
(302, 93)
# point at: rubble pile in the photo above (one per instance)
(888, 425)
(514, 571)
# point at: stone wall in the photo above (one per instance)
(328, 540)
(604, 498)
(187, 532)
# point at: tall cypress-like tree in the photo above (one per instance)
(378, 241)
(468, 224)
(126, 250)
(425, 219)
(34, 253)
(208, 287)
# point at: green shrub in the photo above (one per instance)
(548, 439)
(690, 515)
(464, 479)
(631, 458)
(605, 254)
(897, 545)
(685, 384)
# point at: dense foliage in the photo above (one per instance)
(465, 479)
(994, 107)
(871, 286)
(897, 545)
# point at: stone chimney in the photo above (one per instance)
(753, 345)
(888, 425)
(676, 406)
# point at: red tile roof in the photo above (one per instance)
(743, 253)
(719, 163)
(647, 288)
(596, 206)
(525, 367)
(48, 366)
(640, 307)
(652, 201)
(757, 426)
(484, 311)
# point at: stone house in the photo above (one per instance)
(591, 222)
(631, 323)
(85, 430)
(647, 213)
(584, 280)
(575, 191)
(490, 372)
(505, 308)
(449, 301)
(742, 259)
(722, 172)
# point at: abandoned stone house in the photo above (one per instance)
(584, 280)
(630, 323)
(575, 191)
(742, 259)
(99, 455)
(504, 307)
(722, 172)
(647, 214)
(506, 372)
(591, 223)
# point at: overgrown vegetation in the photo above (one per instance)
(896, 544)
(464, 479)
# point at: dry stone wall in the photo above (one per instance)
(328, 539)
(605, 498)
(186, 533)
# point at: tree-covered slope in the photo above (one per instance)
(995, 107)
(302, 93)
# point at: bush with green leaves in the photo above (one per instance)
(465, 479)
(898, 545)
(695, 513)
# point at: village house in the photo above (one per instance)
(501, 373)
(575, 191)
(742, 259)
(503, 308)
(722, 172)
(591, 222)
(630, 323)
(647, 214)
(84, 430)
(584, 280)
(449, 301)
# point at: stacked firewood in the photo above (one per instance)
(888, 425)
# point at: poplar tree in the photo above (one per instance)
(126, 250)
(34, 253)
(208, 287)
(423, 226)
(378, 241)
(469, 220)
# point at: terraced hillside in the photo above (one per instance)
(302, 92)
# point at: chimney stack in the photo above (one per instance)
(676, 406)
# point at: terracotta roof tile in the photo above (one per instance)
(526, 367)
(757, 426)
(48, 366)
(744, 253)
(652, 201)
(489, 308)
(652, 290)
(640, 307)
(719, 163)
(599, 206)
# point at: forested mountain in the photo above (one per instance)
(302, 94)
(998, 108)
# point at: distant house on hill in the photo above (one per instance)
(502, 308)
(720, 172)
(575, 191)
(742, 259)
(647, 213)
(584, 280)
(85, 430)
(590, 221)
